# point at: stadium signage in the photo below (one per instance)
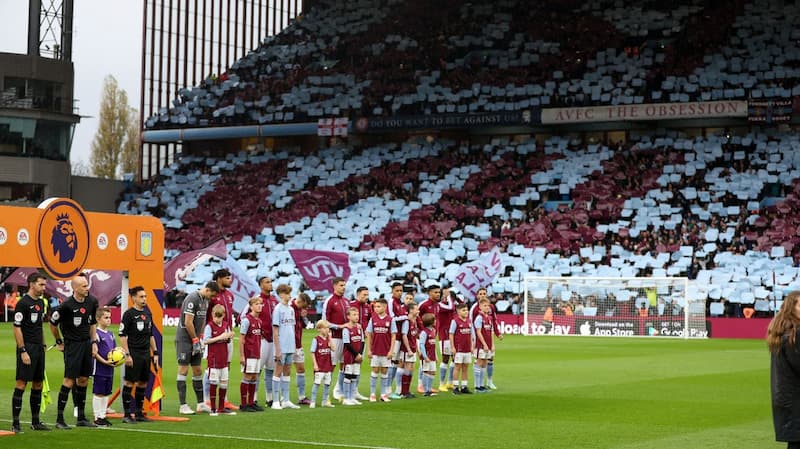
(439, 121)
(638, 112)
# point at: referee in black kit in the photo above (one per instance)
(76, 318)
(136, 339)
(29, 315)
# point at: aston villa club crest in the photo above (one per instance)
(146, 243)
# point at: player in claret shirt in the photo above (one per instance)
(334, 311)
(461, 340)
(408, 356)
(353, 341)
(250, 342)
(485, 345)
(215, 338)
(323, 365)
(427, 353)
(380, 338)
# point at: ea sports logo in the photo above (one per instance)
(63, 238)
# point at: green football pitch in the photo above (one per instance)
(554, 392)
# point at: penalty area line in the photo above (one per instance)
(242, 438)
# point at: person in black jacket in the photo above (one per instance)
(784, 348)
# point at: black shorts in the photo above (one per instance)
(140, 371)
(77, 359)
(35, 371)
(183, 350)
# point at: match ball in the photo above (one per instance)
(116, 356)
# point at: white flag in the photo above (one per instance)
(481, 273)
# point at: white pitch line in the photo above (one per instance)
(232, 437)
(268, 440)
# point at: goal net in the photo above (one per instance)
(655, 307)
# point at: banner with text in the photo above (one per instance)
(639, 112)
(769, 111)
(481, 273)
(441, 121)
(318, 268)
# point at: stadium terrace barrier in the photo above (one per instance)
(611, 326)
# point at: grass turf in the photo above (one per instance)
(554, 392)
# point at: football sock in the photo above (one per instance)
(386, 387)
(276, 389)
(268, 375)
(300, 379)
(221, 398)
(140, 401)
(398, 380)
(373, 383)
(490, 371)
(126, 400)
(36, 405)
(97, 406)
(326, 389)
(197, 386)
(79, 398)
(206, 385)
(405, 383)
(285, 387)
(16, 405)
(63, 396)
(181, 382)
(442, 373)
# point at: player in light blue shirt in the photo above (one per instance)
(283, 339)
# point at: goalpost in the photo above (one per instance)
(619, 307)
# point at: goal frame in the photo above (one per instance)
(529, 279)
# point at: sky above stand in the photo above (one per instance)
(107, 41)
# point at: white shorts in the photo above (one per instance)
(408, 357)
(218, 376)
(484, 354)
(353, 369)
(380, 361)
(429, 366)
(462, 358)
(396, 351)
(337, 356)
(252, 366)
(322, 378)
(267, 355)
(444, 346)
(299, 356)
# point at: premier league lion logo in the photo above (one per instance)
(64, 239)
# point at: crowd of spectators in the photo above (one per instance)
(417, 57)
